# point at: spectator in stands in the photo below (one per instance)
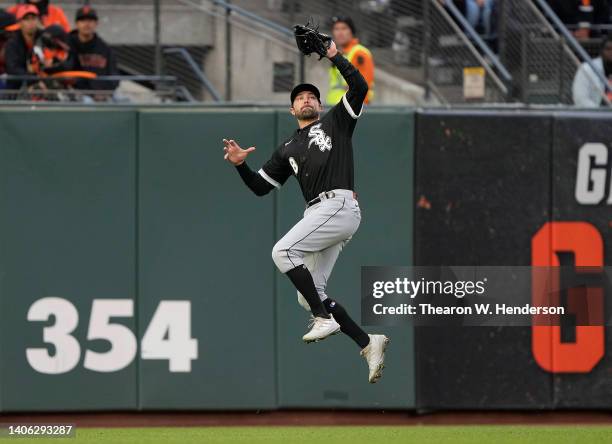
(19, 49)
(92, 52)
(32, 51)
(478, 14)
(8, 24)
(49, 14)
(343, 32)
(588, 88)
(579, 15)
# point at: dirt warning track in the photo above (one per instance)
(308, 418)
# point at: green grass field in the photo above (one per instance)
(338, 435)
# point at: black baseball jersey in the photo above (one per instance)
(319, 155)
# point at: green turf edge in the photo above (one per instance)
(337, 435)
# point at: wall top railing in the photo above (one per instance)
(64, 88)
(512, 108)
(114, 78)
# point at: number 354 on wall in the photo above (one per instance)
(167, 337)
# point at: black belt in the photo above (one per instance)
(316, 200)
(327, 195)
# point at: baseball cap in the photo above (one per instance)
(24, 10)
(86, 12)
(54, 37)
(305, 87)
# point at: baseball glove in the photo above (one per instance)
(310, 40)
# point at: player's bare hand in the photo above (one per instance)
(233, 153)
(332, 51)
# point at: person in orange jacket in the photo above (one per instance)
(49, 14)
(32, 51)
(8, 24)
(343, 32)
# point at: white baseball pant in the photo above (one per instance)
(317, 239)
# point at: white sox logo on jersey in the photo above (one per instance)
(318, 137)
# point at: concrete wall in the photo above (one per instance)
(134, 24)
(254, 52)
(132, 21)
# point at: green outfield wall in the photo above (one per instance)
(135, 268)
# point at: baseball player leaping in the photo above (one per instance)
(320, 155)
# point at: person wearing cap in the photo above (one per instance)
(35, 51)
(343, 32)
(319, 154)
(49, 14)
(20, 48)
(8, 24)
(92, 52)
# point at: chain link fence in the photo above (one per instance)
(418, 41)
(540, 61)
(391, 29)
(455, 69)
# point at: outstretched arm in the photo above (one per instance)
(358, 87)
(237, 157)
